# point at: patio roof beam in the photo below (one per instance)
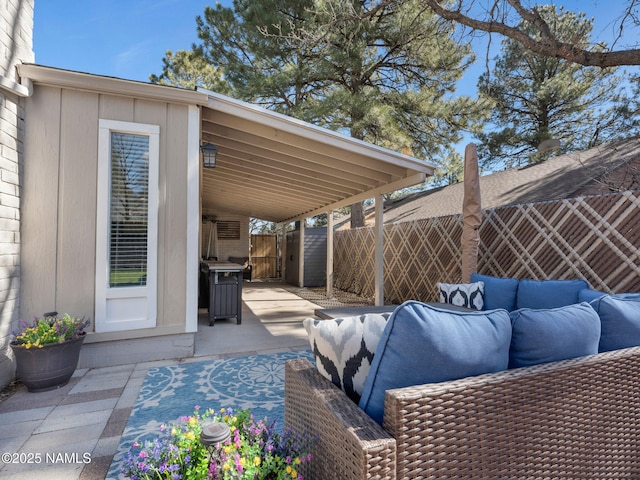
(279, 184)
(292, 150)
(248, 155)
(392, 187)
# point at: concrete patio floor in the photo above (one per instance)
(73, 432)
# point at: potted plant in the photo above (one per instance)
(47, 350)
(250, 450)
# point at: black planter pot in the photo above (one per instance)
(49, 367)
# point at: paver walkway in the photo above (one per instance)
(73, 432)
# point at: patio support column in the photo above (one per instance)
(379, 252)
(330, 254)
(283, 253)
(194, 222)
(303, 222)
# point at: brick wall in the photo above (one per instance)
(16, 46)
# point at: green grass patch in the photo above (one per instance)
(119, 278)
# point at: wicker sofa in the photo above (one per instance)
(577, 419)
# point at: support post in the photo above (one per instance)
(379, 252)
(303, 223)
(282, 258)
(330, 254)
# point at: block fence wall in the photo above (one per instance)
(596, 238)
(16, 46)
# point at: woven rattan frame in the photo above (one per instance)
(574, 419)
(349, 446)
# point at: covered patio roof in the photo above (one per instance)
(279, 169)
(270, 166)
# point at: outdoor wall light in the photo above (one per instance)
(209, 154)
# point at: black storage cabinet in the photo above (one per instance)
(225, 290)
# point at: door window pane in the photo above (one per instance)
(129, 209)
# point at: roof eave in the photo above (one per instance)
(40, 74)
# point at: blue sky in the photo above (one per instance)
(128, 38)
(120, 38)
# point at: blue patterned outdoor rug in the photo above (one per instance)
(170, 392)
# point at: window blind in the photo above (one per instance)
(129, 209)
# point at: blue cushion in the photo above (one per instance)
(587, 295)
(549, 335)
(498, 292)
(620, 318)
(548, 293)
(627, 296)
(423, 344)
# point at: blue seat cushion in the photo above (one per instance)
(620, 319)
(549, 335)
(548, 293)
(498, 292)
(424, 344)
(588, 294)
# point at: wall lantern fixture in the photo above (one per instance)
(209, 154)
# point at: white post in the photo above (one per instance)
(301, 253)
(379, 252)
(283, 253)
(330, 254)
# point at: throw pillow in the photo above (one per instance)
(423, 344)
(498, 292)
(549, 335)
(344, 348)
(468, 295)
(548, 293)
(620, 319)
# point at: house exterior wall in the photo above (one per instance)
(226, 247)
(16, 45)
(59, 212)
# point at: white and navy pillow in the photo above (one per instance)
(469, 295)
(344, 348)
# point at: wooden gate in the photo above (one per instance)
(264, 256)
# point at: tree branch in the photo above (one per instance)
(548, 44)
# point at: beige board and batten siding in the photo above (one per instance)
(59, 209)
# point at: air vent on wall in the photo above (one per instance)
(229, 230)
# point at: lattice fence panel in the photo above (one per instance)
(353, 262)
(596, 238)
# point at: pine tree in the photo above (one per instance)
(380, 72)
(539, 98)
(188, 70)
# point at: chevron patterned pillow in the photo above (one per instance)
(344, 348)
